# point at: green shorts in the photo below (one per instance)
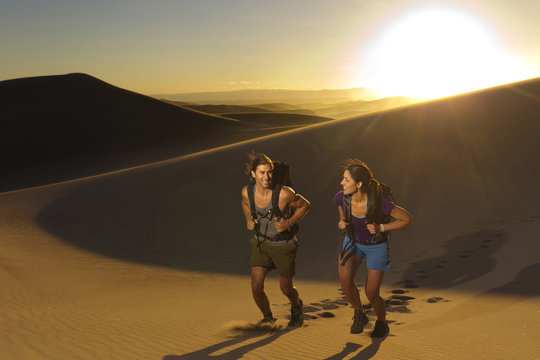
(281, 257)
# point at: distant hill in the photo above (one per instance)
(238, 109)
(355, 108)
(247, 97)
(83, 125)
(328, 109)
(277, 120)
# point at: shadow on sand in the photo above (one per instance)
(367, 353)
(466, 257)
(236, 353)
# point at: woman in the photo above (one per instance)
(365, 239)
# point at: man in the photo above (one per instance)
(274, 245)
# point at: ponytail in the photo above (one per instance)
(373, 191)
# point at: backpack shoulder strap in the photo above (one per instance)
(251, 197)
(275, 201)
(347, 207)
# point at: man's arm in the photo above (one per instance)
(246, 209)
(298, 202)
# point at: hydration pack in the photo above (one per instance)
(275, 212)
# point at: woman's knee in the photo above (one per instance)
(373, 295)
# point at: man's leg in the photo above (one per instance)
(258, 275)
(288, 289)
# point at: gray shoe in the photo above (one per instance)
(360, 320)
(297, 315)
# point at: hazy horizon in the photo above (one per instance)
(398, 47)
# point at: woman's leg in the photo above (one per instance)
(373, 285)
(346, 276)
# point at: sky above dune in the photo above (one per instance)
(399, 47)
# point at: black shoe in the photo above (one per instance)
(297, 316)
(268, 320)
(360, 320)
(380, 330)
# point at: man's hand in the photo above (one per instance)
(282, 225)
(342, 224)
(251, 224)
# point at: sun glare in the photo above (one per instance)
(434, 52)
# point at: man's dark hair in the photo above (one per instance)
(256, 159)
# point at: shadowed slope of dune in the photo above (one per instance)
(75, 125)
(464, 166)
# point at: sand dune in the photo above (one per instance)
(67, 126)
(347, 109)
(254, 96)
(278, 119)
(151, 262)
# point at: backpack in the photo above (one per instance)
(380, 237)
(274, 212)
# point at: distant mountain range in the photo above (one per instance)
(247, 97)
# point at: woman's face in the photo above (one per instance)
(348, 183)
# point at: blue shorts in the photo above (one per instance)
(377, 255)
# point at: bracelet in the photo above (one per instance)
(381, 227)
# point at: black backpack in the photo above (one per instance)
(274, 212)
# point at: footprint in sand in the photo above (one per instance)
(311, 308)
(410, 284)
(326, 314)
(403, 297)
(330, 307)
(436, 299)
(399, 291)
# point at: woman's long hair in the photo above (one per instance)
(281, 175)
(370, 186)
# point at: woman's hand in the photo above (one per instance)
(373, 228)
(342, 224)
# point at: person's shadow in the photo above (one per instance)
(366, 353)
(233, 354)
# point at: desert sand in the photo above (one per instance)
(151, 262)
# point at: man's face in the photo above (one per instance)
(262, 175)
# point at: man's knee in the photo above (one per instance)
(286, 286)
(257, 287)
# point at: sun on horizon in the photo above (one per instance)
(434, 51)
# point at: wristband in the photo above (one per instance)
(381, 227)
